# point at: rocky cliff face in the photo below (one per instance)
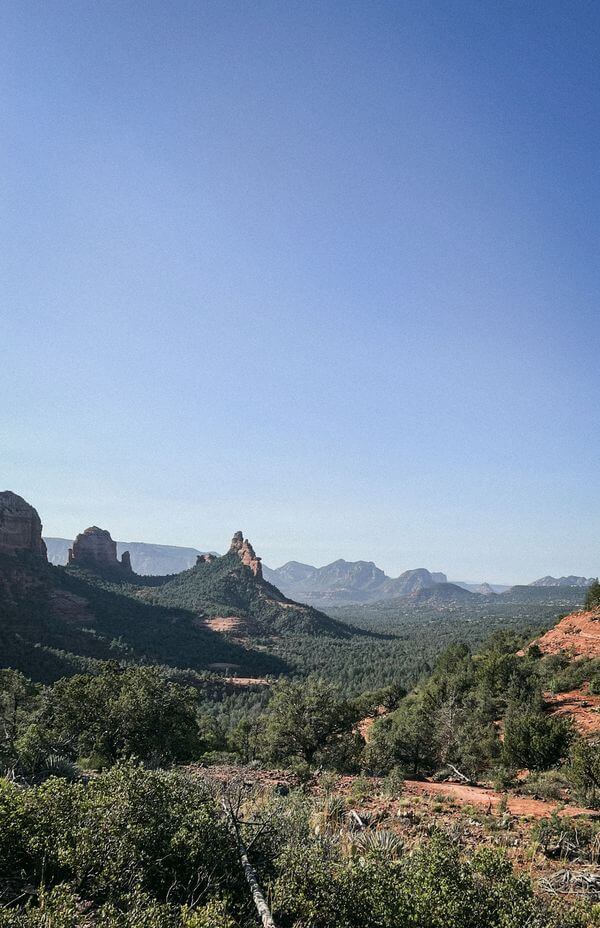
(242, 547)
(96, 550)
(20, 526)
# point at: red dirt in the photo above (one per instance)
(578, 633)
(247, 681)
(490, 800)
(365, 725)
(481, 797)
(580, 706)
(221, 623)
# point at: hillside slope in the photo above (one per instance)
(233, 585)
(55, 621)
(577, 634)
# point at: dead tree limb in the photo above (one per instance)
(355, 817)
(257, 895)
(457, 773)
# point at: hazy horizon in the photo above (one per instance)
(325, 272)
(391, 572)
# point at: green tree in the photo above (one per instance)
(307, 720)
(584, 771)
(404, 739)
(118, 713)
(592, 600)
(534, 740)
(17, 700)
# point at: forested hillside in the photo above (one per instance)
(151, 726)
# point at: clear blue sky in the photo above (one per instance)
(327, 272)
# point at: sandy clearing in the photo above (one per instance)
(222, 623)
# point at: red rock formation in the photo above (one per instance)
(242, 547)
(236, 543)
(250, 559)
(96, 550)
(20, 526)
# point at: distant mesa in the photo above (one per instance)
(95, 550)
(485, 589)
(20, 526)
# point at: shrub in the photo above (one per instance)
(534, 740)
(546, 784)
(584, 772)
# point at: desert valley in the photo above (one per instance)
(405, 732)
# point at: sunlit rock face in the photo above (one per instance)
(20, 526)
(242, 547)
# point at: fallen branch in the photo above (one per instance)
(460, 775)
(356, 818)
(259, 900)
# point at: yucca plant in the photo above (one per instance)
(58, 766)
(381, 842)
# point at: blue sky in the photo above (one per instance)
(327, 272)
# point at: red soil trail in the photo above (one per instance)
(481, 796)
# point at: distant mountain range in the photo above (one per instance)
(355, 582)
(57, 620)
(341, 582)
(564, 581)
(348, 582)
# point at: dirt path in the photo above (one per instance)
(481, 796)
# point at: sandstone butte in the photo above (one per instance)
(94, 548)
(20, 526)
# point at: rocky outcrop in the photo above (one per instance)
(205, 559)
(244, 550)
(577, 635)
(20, 526)
(95, 550)
(236, 543)
(250, 559)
